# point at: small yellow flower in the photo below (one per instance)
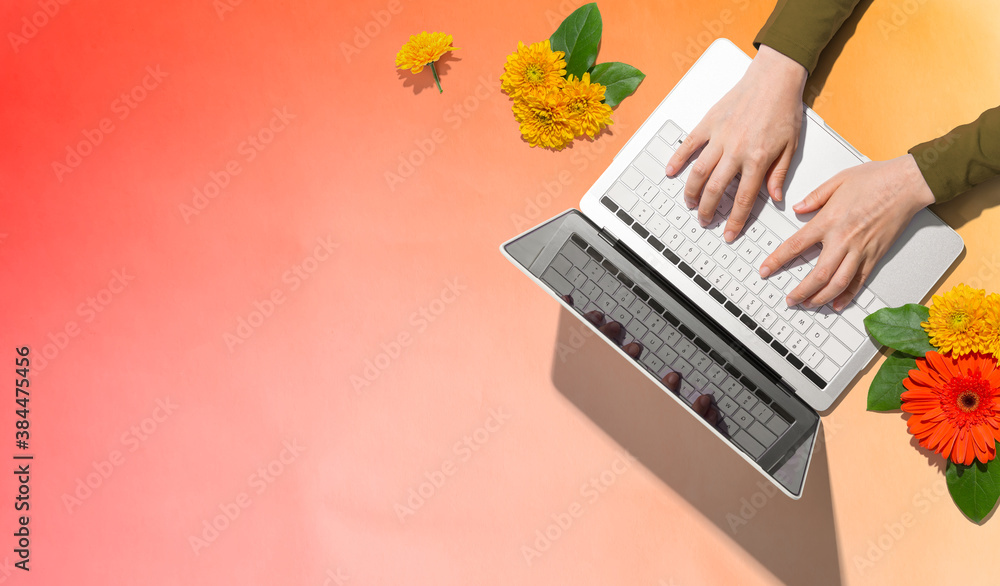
(422, 50)
(544, 119)
(533, 69)
(588, 113)
(957, 321)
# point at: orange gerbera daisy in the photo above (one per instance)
(955, 406)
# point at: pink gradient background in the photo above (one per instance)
(665, 519)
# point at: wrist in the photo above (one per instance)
(920, 193)
(780, 69)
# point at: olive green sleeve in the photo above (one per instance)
(801, 29)
(963, 158)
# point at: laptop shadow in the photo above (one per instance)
(795, 540)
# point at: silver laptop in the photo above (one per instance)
(696, 304)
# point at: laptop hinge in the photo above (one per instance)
(605, 234)
(725, 334)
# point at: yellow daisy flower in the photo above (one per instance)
(532, 69)
(957, 321)
(422, 50)
(544, 119)
(588, 113)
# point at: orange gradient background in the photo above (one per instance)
(109, 356)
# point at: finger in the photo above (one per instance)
(855, 287)
(689, 145)
(713, 416)
(818, 197)
(633, 349)
(672, 381)
(612, 330)
(568, 299)
(778, 172)
(702, 404)
(827, 265)
(595, 317)
(746, 197)
(701, 170)
(716, 184)
(838, 283)
(796, 244)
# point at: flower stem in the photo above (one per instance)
(436, 78)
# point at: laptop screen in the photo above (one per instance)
(601, 282)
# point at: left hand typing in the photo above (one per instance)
(862, 210)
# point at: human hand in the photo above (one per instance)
(862, 210)
(752, 130)
(613, 330)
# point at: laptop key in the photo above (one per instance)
(815, 378)
(846, 333)
(761, 433)
(577, 277)
(728, 406)
(561, 264)
(749, 445)
(777, 425)
(836, 351)
(606, 303)
(650, 167)
(623, 196)
(743, 417)
(631, 177)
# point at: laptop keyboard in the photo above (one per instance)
(818, 343)
(748, 416)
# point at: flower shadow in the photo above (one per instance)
(933, 458)
(425, 79)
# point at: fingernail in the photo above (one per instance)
(791, 301)
(703, 222)
(729, 235)
(777, 195)
(799, 206)
(670, 170)
(765, 272)
(838, 306)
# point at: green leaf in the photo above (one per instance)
(974, 488)
(887, 386)
(899, 328)
(579, 36)
(620, 79)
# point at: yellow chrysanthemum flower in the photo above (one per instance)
(957, 321)
(422, 50)
(588, 113)
(533, 69)
(544, 119)
(991, 325)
